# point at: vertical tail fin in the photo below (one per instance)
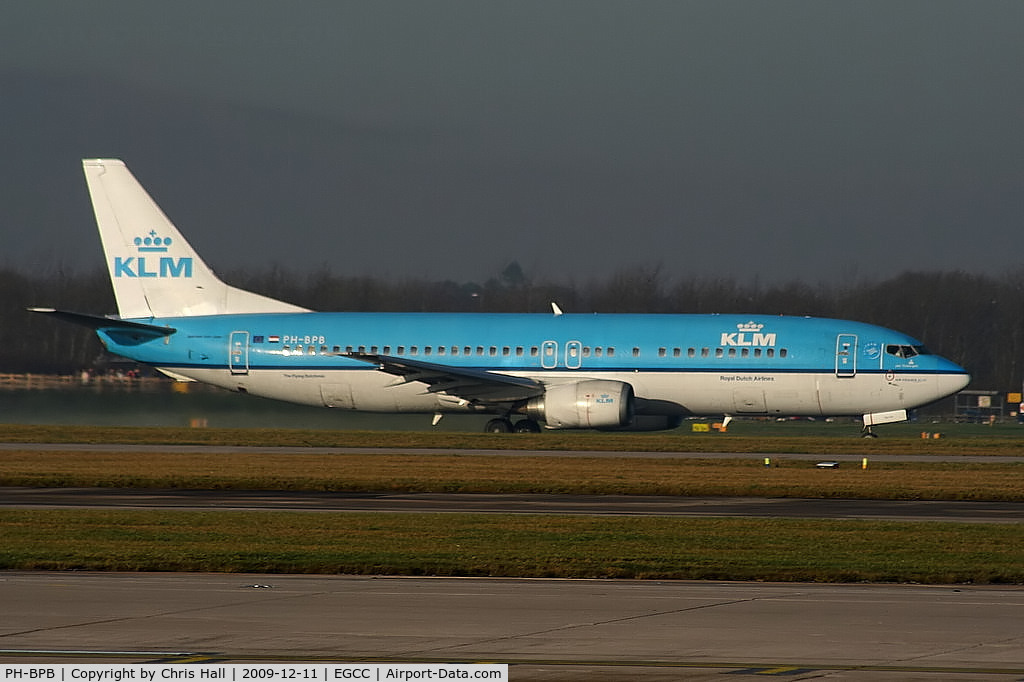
(154, 271)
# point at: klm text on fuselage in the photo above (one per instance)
(747, 339)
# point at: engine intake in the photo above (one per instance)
(591, 404)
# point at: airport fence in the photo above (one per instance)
(122, 381)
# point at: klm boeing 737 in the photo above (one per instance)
(565, 371)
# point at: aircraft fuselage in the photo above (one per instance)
(676, 364)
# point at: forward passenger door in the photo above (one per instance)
(846, 356)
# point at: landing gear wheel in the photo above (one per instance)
(498, 426)
(526, 426)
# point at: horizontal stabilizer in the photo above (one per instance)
(125, 331)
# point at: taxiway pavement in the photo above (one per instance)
(545, 629)
(591, 505)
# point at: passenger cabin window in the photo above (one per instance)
(611, 351)
(636, 352)
(661, 352)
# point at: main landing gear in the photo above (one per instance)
(505, 425)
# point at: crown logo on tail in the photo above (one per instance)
(152, 243)
(156, 266)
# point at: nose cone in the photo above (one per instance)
(958, 383)
(951, 377)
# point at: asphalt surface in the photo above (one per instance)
(545, 629)
(594, 505)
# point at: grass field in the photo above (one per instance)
(506, 545)
(751, 436)
(463, 473)
(521, 546)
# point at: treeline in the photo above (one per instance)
(975, 320)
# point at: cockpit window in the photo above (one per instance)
(906, 351)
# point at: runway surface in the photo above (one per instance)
(593, 505)
(545, 629)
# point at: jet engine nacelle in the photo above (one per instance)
(591, 404)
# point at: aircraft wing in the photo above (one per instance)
(473, 385)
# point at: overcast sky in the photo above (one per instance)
(812, 141)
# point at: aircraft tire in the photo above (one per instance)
(498, 426)
(526, 426)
